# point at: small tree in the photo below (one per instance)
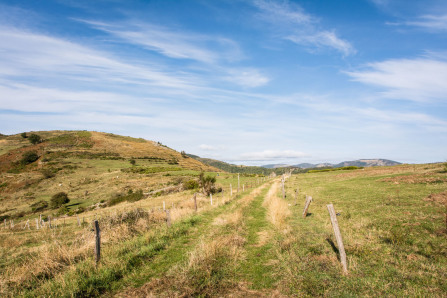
(23, 135)
(207, 183)
(132, 161)
(34, 139)
(29, 157)
(59, 199)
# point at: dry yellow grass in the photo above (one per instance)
(277, 208)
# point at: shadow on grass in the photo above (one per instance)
(334, 248)
(74, 204)
(308, 214)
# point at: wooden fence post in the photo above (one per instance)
(195, 202)
(37, 224)
(98, 242)
(238, 183)
(243, 187)
(79, 222)
(49, 222)
(337, 233)
(296, 195)
(211, 198)
(168, 218)
(164, 205)
(283, 189)
(306, 205)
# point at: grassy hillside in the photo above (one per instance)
(240, 169)
(91, 167)
(251, 242)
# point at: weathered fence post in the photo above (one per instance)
(98, 242)
(79, 222)
(283, 190)
(238, 183)
(195, 202)
(168, 218)
(211, 198)
(306, 205)
(37, 224)
(164, 205)
(49, 222)
(296, 195)
(243, 187)
(337, 233)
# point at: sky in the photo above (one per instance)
(249, 82)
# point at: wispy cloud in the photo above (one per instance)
(206, 147)
(300, 27)
(420, 79)
(430, 22)
(178, 44)
(268, 155)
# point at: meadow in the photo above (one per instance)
(251, 243)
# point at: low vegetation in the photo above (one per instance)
(252, 243)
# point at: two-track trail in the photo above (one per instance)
(230, 252)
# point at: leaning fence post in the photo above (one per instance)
(98, 242)
(306, 206)
(337, 233)
(296, 195)
(195, 202)
(168, 218)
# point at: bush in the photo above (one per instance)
(29, 157)
(131, 197)
(59, 199)
(190, 184)
(132, 161)
(39, 206)
(34, 139)
(62, 210)
(48, 173)
(23, 135)
(207, 183)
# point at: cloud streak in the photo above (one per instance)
(300, 27)
(420, 79)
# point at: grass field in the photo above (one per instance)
(392, 219)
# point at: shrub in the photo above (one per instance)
(48, 173)
(132, 161)
(59, 199)
(184, 155)
(207, 183)
(131, 197)
(34, 139)
(23, 135)
(190, 184)
(62, 210)
(39, 206)
(29, 157)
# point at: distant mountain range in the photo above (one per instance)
(357, 163)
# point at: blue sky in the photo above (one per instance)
(248, 82)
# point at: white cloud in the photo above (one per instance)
(173, 43)
(432, 22)
(27, 54)
(300, 27)
(267, 155)
(421, 79)
(205, 147)
(247, 77)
